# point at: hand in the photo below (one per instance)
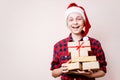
(78, 72)
(85, 72)
(65, 67)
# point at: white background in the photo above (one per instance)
(30, 28)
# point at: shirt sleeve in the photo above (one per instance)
(55, 61)
(101, 57)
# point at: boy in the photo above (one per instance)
(79, 25)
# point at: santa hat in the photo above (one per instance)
(73, 7)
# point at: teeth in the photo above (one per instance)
(75, 27)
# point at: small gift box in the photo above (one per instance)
(79, 48)
(90, 65)
(74, 66)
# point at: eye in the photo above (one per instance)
(70, 19)
(79, 18)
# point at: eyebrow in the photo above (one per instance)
(76, 17)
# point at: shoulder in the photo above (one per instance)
(94, 41)
(62, 42)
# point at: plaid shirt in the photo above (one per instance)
(61, 56)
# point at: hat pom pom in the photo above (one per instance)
(72, 4)
(85, 38)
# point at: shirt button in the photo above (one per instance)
(65, 56)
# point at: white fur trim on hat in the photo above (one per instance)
(85, 38)
(74, 9)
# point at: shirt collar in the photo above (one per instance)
(70, 39)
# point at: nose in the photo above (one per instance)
(75, 22)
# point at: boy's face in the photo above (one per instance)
(75, 23)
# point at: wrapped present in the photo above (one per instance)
(74, 54)
(80, 48)
(90, 65)
(84, 59)
(84, 52)
(74, 66)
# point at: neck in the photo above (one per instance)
(76, 38)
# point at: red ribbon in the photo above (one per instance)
(78, 47)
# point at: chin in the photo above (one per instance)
(77, 33)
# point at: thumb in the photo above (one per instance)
(90, 71)
(69, 61)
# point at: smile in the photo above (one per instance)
(76, 27)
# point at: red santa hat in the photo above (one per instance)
(73, 7)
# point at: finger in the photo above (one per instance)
(90, 71)
(80, 71)
(64, 64)
(65, 70)
(83, 72)
(64, 67)
(69, 61)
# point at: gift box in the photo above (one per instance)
(90, 65)
(84, 59)
(74, 54)
(74, 66)
(80, 48)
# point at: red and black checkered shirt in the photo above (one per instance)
(61, 55)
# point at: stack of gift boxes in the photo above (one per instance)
(80, 59)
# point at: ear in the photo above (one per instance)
(66, 23)
(84, 28)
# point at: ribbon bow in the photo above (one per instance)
(78, 47)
